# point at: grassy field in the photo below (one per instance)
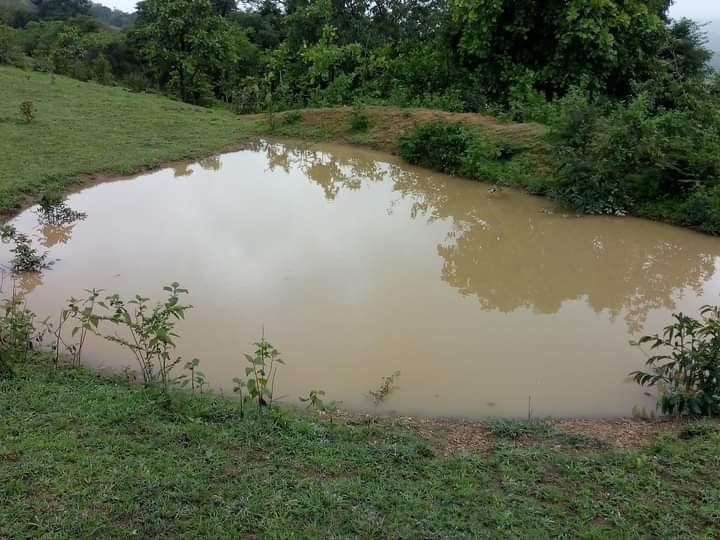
(82, 129)
(87, 457)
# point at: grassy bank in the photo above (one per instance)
(82, 129)
(82, 456)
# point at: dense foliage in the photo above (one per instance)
(455, 54)
(686, 364)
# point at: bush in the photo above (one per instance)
(687, 366)
(17, 334)
(27, 110)
(437, 144)
(359, 121)
(486, 159)
(702, 209)
(600, 155)
(637, 156)
(291, 117)
(526, 104)
(10, 51)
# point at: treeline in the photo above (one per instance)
(454, 54)
(18, 13)
(629, 94)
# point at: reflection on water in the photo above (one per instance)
(511, 255)
(359, 266)
(27, 283)
(52, 235)
(182, 169)
(211, 163)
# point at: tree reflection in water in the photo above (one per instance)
(505, 251)
(52, 235)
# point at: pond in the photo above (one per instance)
(356, 266)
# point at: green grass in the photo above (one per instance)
(82, 128)
(87, 457)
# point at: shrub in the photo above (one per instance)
(359, 121)
(526, 103)
(636, 155)
(702, 209)
(388, 386)
(436, 144)
(147, 331)
(195, 379)
(291, 117)
(261, 373)
(53, 210)
(7, 232)
(687, 367)
(316, 400)
(482, 156)
(101, 69)
(10, 50)
(599, 157)
(27, 258)
(248, 98)
(17, 333)
(27, 110)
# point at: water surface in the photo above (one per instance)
(358, 266)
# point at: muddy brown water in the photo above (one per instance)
(358, 266)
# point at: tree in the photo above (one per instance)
(61, 9)
(224, 7)
(185, 41)
(65, 51)
(603, 44)
(9, 50)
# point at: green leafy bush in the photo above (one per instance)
(291, 117)
(27, 110)
(26, 257)
(686, 368)
(437, 144)
(359, 121)
(260, 374)
(17, 334)
(634, 156)
(598, 155)
(147, 331)
(469, 151)
(702, 209)
(486, 159)
(53, 210)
